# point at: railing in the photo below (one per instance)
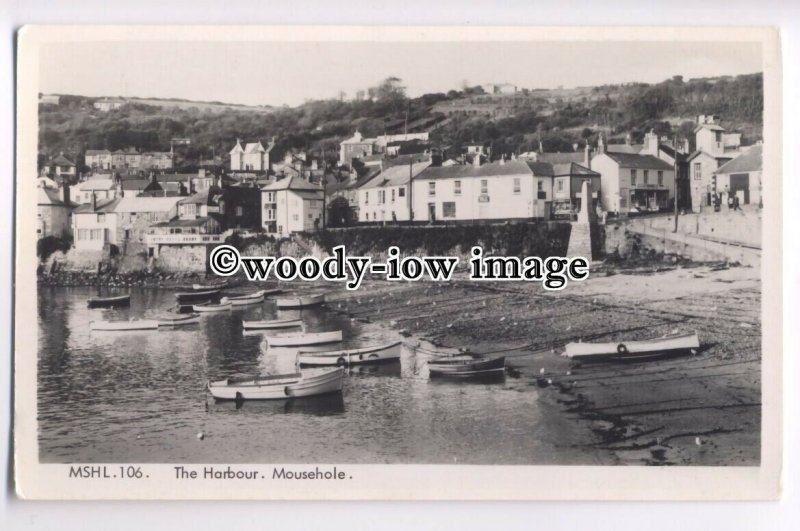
(154, 239)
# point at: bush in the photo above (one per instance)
(50, 244)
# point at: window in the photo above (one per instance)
(698, 170)
(456, 188)
(517, 185)
(401, 192)
(271, 214)
(239, 211)
(633, 177)
(296, 217)
(646, 176)
(660, 177)
(540, 186)
(270, 197)
(431, 188)
(484, 186)
(366, 198)
(381, 197)
(392, 195)
(101, 218)
(448, 210)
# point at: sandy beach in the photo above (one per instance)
(695, 410)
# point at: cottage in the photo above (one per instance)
(62, 167)
(633, 182)
(98, 159)
(292, 205)
(494, 191)
(54, 212)
(94, 224)
(387, 196)
(101, 188)
(558, 188)
(741, 176)
(253, 156)
(713, 149)
(126, 158)
(355, 147)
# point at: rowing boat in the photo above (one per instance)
(296, 340)
(189, 296)
(244, 300)
(109, 302)
(349, 357)
(309, 382)
(179, 320)
(634, 350)
(208, 308)
(120, 326)
(303, 301)
(269, 325)
(466, 365)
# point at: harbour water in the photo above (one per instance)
(141, 396)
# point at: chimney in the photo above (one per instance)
(502, 159)
(601, 145)
(65, 193)
(476, 160)
(189, 185)
(587, 156)
(628, 139)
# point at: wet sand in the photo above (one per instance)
(693, 410)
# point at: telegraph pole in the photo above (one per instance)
(675, 179)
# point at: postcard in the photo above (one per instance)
(398, 263)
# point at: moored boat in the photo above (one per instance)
(296, 340)
(208, 308)
(634, 350)
(196, 296)
(302, 301)
(179, 319)
(244, 300)
(121, 326)
(309, 382)
(349, 357)
(109, 302)
(271, 325)
(466, 365)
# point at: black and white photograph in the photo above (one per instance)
(648, 158)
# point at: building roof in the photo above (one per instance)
(90, 152)
(712, 127)
(699, 152)
(254, 147)
(559, 158)
(196, 222)
(637, 161)
(396, 175)
(292, 183)
(492, 169)
(61, 160)
(146, 204)
(103, 206)
(200, 198)
(573, 169)
(96, 184)
(750, 160)
(135, 184)
(52, 197)
(624, 148)
(540, 169)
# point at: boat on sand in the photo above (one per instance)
(110, 302)
(296, 340)
(465, 365)
(271, 325)
(121, 326)
(347, 357)
(302, 301)
(634, 350)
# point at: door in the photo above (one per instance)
(740, 185)
(431, 212)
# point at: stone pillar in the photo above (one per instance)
(580, 237)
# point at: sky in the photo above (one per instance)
(282, 73)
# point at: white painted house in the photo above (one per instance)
(387, 197)
(291, 205)
(95, 188)
(253, 156)
(492, 191)
(631, 182)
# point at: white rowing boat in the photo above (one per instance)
(207, 308)
(121, 326)
(623, 350)
(303, 301)
(179, 320)
(309, 382)
(296, 340)
(271, 325)
(244, 300)
(344, 358)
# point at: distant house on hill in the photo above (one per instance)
(62, 167)
(107, 104)
(253, 156)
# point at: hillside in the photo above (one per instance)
(510, 123)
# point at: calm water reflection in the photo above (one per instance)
(141, 397)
